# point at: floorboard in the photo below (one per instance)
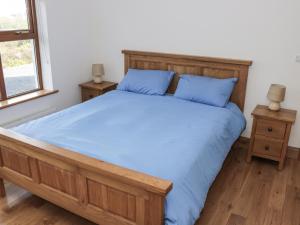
(243, 194)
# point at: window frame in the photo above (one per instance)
(17, 35)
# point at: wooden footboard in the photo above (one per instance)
(98, 191)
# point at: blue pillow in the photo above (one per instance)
(207, 90)
(150, 82)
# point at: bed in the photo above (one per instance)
(119, 172)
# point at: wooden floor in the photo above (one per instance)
(243, 194)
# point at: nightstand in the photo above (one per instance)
(271, 133)
(90, 89)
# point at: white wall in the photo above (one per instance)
(266, 32)
(69, 47)
(82, 32)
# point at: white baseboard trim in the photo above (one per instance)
(27, 118)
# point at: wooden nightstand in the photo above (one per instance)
(270, 134)
(90, 89)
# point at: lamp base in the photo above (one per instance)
(97, 80)
(274, 106)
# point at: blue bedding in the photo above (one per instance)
(174, 139)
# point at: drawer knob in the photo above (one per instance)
(270, 129)
(267, 148)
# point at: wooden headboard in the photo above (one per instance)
(195, 65)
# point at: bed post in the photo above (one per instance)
(2, 189)
(157, 210)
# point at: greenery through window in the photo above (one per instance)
(20, 67)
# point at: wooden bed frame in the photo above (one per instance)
(99, 191)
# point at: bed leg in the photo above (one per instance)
(2, 189)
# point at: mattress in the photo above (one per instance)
(166, 137)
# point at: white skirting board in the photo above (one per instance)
(27, 118)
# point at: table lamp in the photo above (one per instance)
(276, 95)
(98, 73)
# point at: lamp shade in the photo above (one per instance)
(276, 93)
(98, 70)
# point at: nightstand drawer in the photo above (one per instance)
(271, 128)
(91, 90)
(267, 146)
(88, 94)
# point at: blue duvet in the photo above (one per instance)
(163, 136)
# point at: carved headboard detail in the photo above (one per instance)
(195, 65)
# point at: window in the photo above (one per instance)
(20, 65)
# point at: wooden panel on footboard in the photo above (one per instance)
(101, 192)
